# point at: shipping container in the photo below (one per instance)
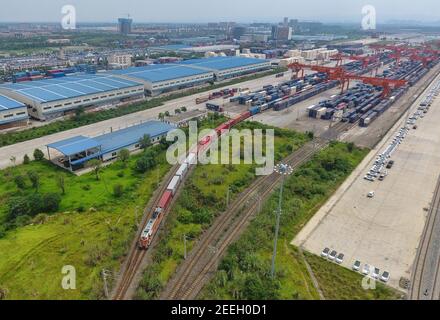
(174, 184)
(165, 199)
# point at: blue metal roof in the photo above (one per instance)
(8, 103)
(131, 135)
(111, 141)
(160, 72)
(48, 90)
(74, 145)
(222, 63)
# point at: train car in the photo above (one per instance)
(153, 224)
(174, 184)
(255, 110)
(191, 158)
(182, 170)
(224, 127)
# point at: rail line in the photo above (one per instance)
(190, 276)
(417, 283)
(136, 256)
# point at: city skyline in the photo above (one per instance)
(228, 10)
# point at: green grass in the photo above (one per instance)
(244, 272)
(201, 200)
(91, 231)
(90, 118)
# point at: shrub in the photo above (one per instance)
(51, 202)
(35, 179)
(38, 155)
(146, 162)
(20, 181)
(118, 190)
(26, 159)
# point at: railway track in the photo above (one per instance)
(136, 256)
(196, 270)
(424, 282)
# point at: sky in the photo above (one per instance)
(218, 10)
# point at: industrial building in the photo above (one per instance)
(76, 151)
(51, 98)
(162, 78)
(183, 119)
(12, 112)
(228, 67)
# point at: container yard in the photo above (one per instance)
(380, 211)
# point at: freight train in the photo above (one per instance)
(153, 224)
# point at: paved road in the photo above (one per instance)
(27, 147)
(426, 285)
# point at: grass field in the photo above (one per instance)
(244, 272)
(91, 231)
(203, 198)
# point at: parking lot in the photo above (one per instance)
(379, 221)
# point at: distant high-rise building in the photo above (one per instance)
(125, 25)
(238, 31)
(281, 33)
(286, 22)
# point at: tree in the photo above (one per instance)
(26, 159)
(146, 162)
(13, 160)
(51, 202)
(177, 111)
(20, 182)
(35, 179)
(161, 116)
(118, 190)
(124, 155)
(96, 165)
(350, 147)
(145, 141)
(38, 155)
(167, 113)
(183, 109)
(61, 183)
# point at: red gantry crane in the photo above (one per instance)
(339, 74)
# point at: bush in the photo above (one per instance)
(38, 155)
(51, 202)
(118, 190)
(32, 204)
(146, 162)
(35, 179)
(20, 181)
(26, 159)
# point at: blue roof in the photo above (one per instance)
(111, 141)
(131, 135)
(74, 145)
(222, 63)
(48, 90)
(160, 72)
(8, 103)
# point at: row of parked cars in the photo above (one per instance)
(332, 255)
(374, 272)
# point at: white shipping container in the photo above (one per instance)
(191, 159)
(182, 170)
(174, 184)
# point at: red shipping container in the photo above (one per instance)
(165, 200)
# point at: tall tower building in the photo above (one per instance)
(125, 25)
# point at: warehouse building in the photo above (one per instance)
(228, 67)
(12, 113)
(162, 78)
(51, 98)
(73, 153)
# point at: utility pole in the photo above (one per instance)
(284, 170)
(184, 246)
(104, 278)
